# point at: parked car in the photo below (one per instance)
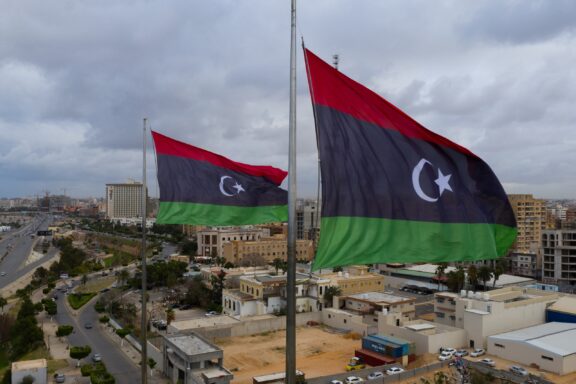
(461, 353)
(375, 375)
(447, 349)
(211, 313)
(445, 356)
(394, 370)
(353, 380)
(335, 382)
(488, 362)
(477, 352)
(515, 369)
(355, 363)
(88, 325)
(96, 357)
(59, 378)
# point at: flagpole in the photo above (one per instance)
(143, 323)
(291, 257)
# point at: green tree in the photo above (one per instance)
(80, 352)
(441, 273)
(151, 364)
(329, 293)
(170, 315)
(472, 276)
(29, 379)
(277, 263)
(84, 279)
(64, 330)
(485, 274)
(498, 271)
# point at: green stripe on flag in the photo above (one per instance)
(216, 215)
(361, 240)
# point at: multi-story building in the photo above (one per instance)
(211, 240)
(124, 200)
(524, 264)
(531, 220)
(307, 219)
(559, 256)
(484, 314)
(239, 252)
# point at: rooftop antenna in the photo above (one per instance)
(335, 60)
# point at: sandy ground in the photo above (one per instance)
(318, 353)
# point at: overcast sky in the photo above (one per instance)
(77, 77)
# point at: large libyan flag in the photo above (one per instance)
(201, 187)
(393, 191)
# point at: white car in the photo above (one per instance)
(478, 352)
(445, 356)
(394, 370)
(515, 369)
(447, 349)
(488, 362)
(335, 382)
(375, 375)
(353, 380)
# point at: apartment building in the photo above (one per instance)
(307, 219)
(124, 200)
(559, 256)
(530, 216)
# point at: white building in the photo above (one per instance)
(124, 200)
(550, 347)
(484, 314)
(212, 239)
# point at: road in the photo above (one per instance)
(120, 366)
(15, 248)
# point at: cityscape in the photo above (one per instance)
(217, 300)
(339, 192)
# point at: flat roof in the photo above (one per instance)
(379, 297)
(420, 327)
(555, 337)
(477, 311)
(564, 304)
(202, 322)
(191, 344)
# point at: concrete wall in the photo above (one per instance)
(426, 343)
(336, 318)
(156, 354)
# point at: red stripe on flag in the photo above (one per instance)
(168, 146)
(331, 88)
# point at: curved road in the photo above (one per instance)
(120, 366)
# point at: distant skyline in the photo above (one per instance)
(77, 78)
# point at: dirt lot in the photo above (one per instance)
(318, 353)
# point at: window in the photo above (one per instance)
(547, 358)
(499, 345)
(440, 315)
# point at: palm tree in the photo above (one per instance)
(329, 294)
(277, 263)
(472, 276)
(441, 273)
(461, 276)
(485, 274)
(498, 271)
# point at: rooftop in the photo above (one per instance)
(379, 297)
(191, 344)
(559, 338)
(566, 304)
(28, 364)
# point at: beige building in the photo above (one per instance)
(484, 314)
(370, 303)
(550, 347)
(124, 200)
(211, 240)
(267, 249)
(356, 279)
(531, 220)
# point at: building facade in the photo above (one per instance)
(124, 200)
(307, 220)
(211, 240)
(530, 216)
(266, 250)
(559, 257)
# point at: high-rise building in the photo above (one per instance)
(559, 256)
(531, 220)
(124, 200)
(307, 219)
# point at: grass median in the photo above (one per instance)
(77, 300)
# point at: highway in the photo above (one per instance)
(120, 366)
(15, 247)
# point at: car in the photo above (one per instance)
(375, 375)
(517, 370)
(355, 363)
(335, 382)
(88, 325)
(59, 378)
(488, 362)
(353, 380)
(477, 352)
(447, 349)
(96, 357)
(445, 356)
(461, 353)
(211, 313)
(394, 370)
(2, 273)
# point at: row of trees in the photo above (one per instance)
(470, 277)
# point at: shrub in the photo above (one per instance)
(46, 290)
(77, 300)
(80, 352)
(104, 319)
(122, 332)
(88, 369)
(102, 378)
(64, 330)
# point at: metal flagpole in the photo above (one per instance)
(291, 276)
(143, 324)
